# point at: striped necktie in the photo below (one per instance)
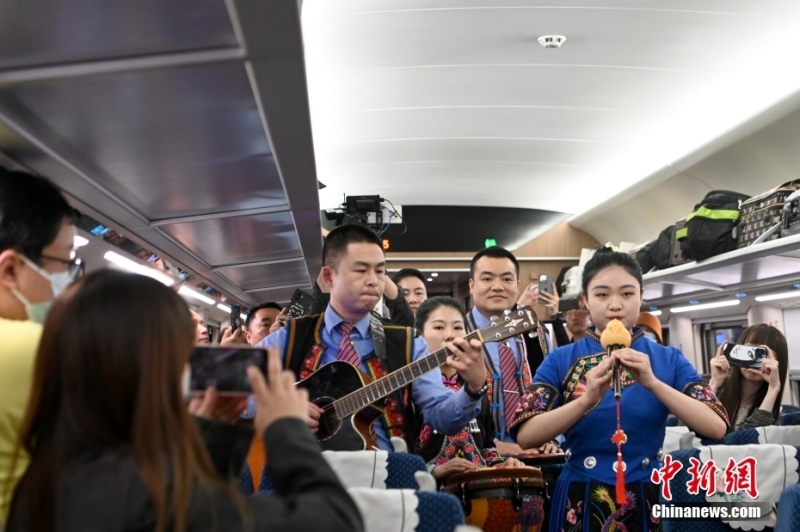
(510, 382)
(347, 352)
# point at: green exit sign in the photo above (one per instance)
(489, 242)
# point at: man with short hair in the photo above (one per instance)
(259, 320)
(36, 263)
(412, 283)
(494, 286)
(354, 271)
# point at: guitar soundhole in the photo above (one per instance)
(328, 422)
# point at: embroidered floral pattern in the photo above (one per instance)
(311, 362)
(601, 512)
(392, 409)
(538, 398)
(462, 445)
(574, 385)
(573, 516)
(700, 391)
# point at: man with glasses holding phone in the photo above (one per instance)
(36, 263)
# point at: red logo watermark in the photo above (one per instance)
(738, 476)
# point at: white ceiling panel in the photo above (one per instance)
(523, 122)
(442, 93)
(538, 151)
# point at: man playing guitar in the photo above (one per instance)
(354, 269)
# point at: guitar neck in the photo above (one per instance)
(355, 401)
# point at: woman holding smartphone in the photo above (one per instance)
(752, 396)
(112, 446)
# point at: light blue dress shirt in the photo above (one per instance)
(493, 349)
(446, 411)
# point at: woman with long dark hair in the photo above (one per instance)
(112, 446)
(752, 396)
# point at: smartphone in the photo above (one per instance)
(300, 304)
(744, 356)
(224, 368)
(545, 285)
(571, 303)
(236, 317)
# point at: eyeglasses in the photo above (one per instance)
(75, 266)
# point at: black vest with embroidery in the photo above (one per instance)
(304, 336)
(532, 354)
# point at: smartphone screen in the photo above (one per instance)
(300, 304)
(545, 285)
(224, 368)
(745, 356)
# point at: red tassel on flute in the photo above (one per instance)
(622, 494)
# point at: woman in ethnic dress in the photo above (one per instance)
(571, 395)
(440, 320)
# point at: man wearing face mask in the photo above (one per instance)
(36, 264)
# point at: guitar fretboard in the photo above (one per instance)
(355, 401)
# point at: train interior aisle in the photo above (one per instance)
(201, 136)
(212, 144)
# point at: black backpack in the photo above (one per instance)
(709, 228)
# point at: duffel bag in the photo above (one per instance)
(710, 227)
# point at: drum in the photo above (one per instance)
(551, 466)
(500, 500)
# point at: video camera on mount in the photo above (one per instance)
(362, 210)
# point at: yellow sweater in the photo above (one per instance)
(18, 343)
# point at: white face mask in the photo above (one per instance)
(650, 336)
(58, 281)
(37, 312)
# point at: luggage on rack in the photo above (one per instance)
(710, 227)
(790, 219)
(644, 255)
(763, 213)
(666, 251)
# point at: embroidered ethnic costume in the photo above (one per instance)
(474, 443)
(585, 491)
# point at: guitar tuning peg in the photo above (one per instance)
(531, 335)
(507, 312)
(493, 318)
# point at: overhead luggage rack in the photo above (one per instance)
(762, 268)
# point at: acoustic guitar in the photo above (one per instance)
(351, 400)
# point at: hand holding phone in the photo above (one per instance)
(545, 285)
(300, 304)
(744, 356)
(276, 396)
(224, 368)
(215, 407)
(236, 317)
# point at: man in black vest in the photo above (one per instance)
(494, 287)
(354, 271)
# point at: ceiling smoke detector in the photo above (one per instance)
(552, 41)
